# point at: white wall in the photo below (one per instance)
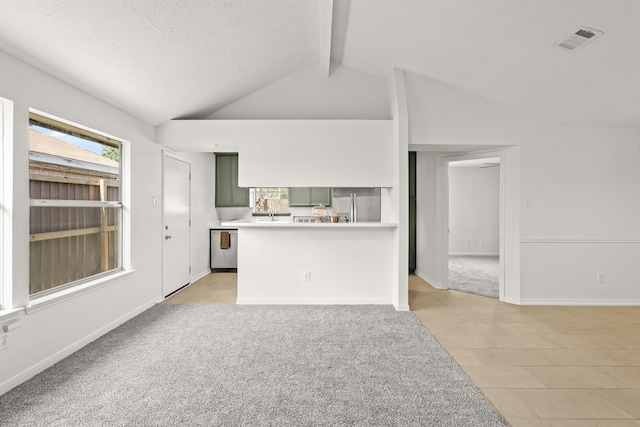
(579, 216)
(347, 265)
(429, 256)
(203, 213)
(474, 211)
(294, 153)
(346, 94)
(581, 181)
(303, 130)
(51, 333)
(317, 153)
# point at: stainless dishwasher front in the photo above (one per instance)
(224, 252)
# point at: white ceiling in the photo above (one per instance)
(488, 162)
(161, 59)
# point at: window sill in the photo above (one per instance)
(9, 316)
(45, 301)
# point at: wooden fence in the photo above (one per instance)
(71, 243)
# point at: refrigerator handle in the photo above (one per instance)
(354, 206)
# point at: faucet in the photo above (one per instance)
(272, 214)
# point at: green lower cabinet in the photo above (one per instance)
(309, 196)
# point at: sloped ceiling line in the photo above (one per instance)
(326, 22)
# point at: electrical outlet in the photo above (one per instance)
(602, 278)
(307, 276)
(483, 243)
(468, 242)
(4, 341)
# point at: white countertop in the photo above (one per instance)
(264, 222)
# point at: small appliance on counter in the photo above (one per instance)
(319, 210)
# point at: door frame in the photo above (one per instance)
(167, 153)
(509, 284)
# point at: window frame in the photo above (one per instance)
(6, 200)
(123, 215)
(276, 190)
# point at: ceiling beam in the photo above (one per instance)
(326, 19)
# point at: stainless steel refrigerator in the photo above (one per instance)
(358, 204)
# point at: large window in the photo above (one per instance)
(76, 204)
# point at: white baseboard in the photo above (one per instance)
(430, 281)
(473, 254)
(65, 352)
(313, 301)
(404, 307)
(201, 275)
(578, 302)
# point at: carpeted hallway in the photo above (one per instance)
(477, 275)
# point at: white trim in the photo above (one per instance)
(174, 156)
(124, 232)
(39, 303)
(58, 356)
(10, 316)
(188, 285)
(473, 254)
(576, 240)
(580, 302)
(72, 163)
(326, 20)
(470, 156)
(74, 124)
(430, 281)
(6, 204)
(200, 275)
(75, 203)
(125, 199)
(313, 301)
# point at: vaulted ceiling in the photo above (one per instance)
(163, 59)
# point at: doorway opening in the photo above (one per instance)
(474, 225)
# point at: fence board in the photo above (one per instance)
(65, 242)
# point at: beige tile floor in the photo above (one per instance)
(216, 288)
(539, 366)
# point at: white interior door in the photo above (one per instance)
(176, 254)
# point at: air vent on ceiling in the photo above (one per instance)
(578, 38)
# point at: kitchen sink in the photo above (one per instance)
(272, 219)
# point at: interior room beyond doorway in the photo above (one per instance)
(474, 226)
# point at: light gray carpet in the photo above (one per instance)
(255, 366)
(475, 274)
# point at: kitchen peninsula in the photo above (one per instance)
(282, 262)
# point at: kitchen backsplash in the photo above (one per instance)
(227, 214)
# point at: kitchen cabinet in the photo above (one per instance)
(309, 196)
(228, 194)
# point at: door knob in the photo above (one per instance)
(167, 237)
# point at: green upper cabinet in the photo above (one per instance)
(228, 194)
(309, 196)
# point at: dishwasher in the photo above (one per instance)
(224, 249)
